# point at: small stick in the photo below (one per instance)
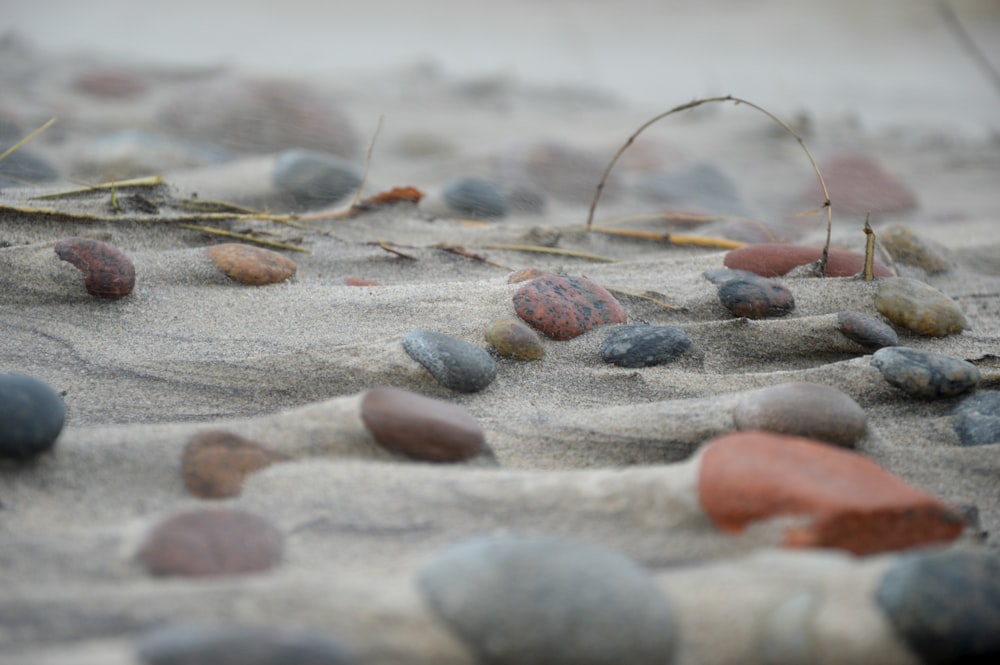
(150, 181)
(26, 139)
(672, 238)
(245, 237)
(869, 249)
(368, 162)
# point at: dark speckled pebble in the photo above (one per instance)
(866, 330)
(945, 605)
(454, 363)
(924, 373)
(200, 644)
(756, 297)
(644, 346)
(476, 197)
(563, 307)
(977, 419)
(31, 416)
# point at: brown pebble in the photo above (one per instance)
(904, 246)
(215, 463)
(211, 541)
(776, 259)
(107, 272)
(253, 266)
(420, 427)
(111, 83)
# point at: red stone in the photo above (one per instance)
(853, 504)
(107, 272)
(215, 462)
(564, 307)
(776, 259)
(858, 184)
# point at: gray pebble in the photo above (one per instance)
(546, 601)
(866, 330)
(199, 644)
(924, 373)
(809, 410)
(644, 346)
(315, 179)
(977, 419)
(454, 363)
(476, 197)
(755, 297)
(31, 416)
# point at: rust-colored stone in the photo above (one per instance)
(215, 463)
(107, 272)
(776, 259)
(254, 266)
(563, 307)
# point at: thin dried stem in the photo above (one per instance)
(26, 139)
(368, 162)
(246, 237)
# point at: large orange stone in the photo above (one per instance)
(853, 503)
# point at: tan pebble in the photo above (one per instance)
(905, 247)
(215, 463)
(253, 266)
(918, 307)
(513, 339)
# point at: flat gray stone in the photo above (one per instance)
(454, 363)
(977, 419)
(644, 346)
(925, 374)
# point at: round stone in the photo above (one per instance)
(31, 416)
(945, 604)
(918, 307)
(197, 644)
(776, 259)
(420, 427)
(315, 179)
(809, 410)
(924, 373)
(253, 266)
(214, 463)
(563, 307)
(906, 247)
(977, 419)
(513, 339)
(756, 297)
(476, 197)
(866, 330)
(534, 601)
(454, 363)
(644, 346)
(107, 272)
(210, 542)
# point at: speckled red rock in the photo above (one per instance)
(853, 503)
(564, 307)
(775, 259)
(858, 184)
(215, 462)
(107, 272)
(254, 266)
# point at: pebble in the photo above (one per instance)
(703, 187)
(563, 307)
(855, 505)
(31, 416)
(858, 184)
(866, 330)
(420, 427)
(918, 307)
(107, 272)
(756, 297)
(644, 346)
(233, 644)
(924, 373)
(454, 363)
(211, 541)
(977, 419)
(513, 339)
(477, 198)
(545, 601)
(315, 179)
(776, 259)
(906, 247)
(214, 463)
(808, 410)
(945, 604)
(253, 266)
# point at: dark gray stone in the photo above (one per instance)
(924, 373)
(755, 297)
(644, 346)
(703, 187)
(946, 605)
(977, 419)
(315, 179)
(546, 601)
(866, 330)
(198, 644)
(476, 197)
(454, 363)
(31, 416)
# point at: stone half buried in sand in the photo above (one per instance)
(563, 307)
(454, 363)
(808, 410)
(107, 272)
(215, 462)
(776, 259)
(848, 501)
(919, 307)
(253, 266)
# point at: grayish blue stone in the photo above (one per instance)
(866, 330)
(199, 644)
(476, 197)
(644, 346)
(31, 416)
(455, 363)
(977, 419)
(924, 373)
(315, 179)
(547, 601)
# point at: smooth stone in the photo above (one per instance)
(315, 179)
(477, 198)
(776, 259)
(513, 339)
(644, 346)
(703, 187)
(214, 463)
(756, 297)
(906, 247)
(924, 373)
(562, 307)
(853, 503)
(421, 427)
(545, 601)
(918, 307)
(201, 644)
(945, 605)
(977, 419)
(253, 266)
(808, 410)
(859, 185)
(107, 271)
(31, 416)
(211, 542)
(454, 363)
(866, 330)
